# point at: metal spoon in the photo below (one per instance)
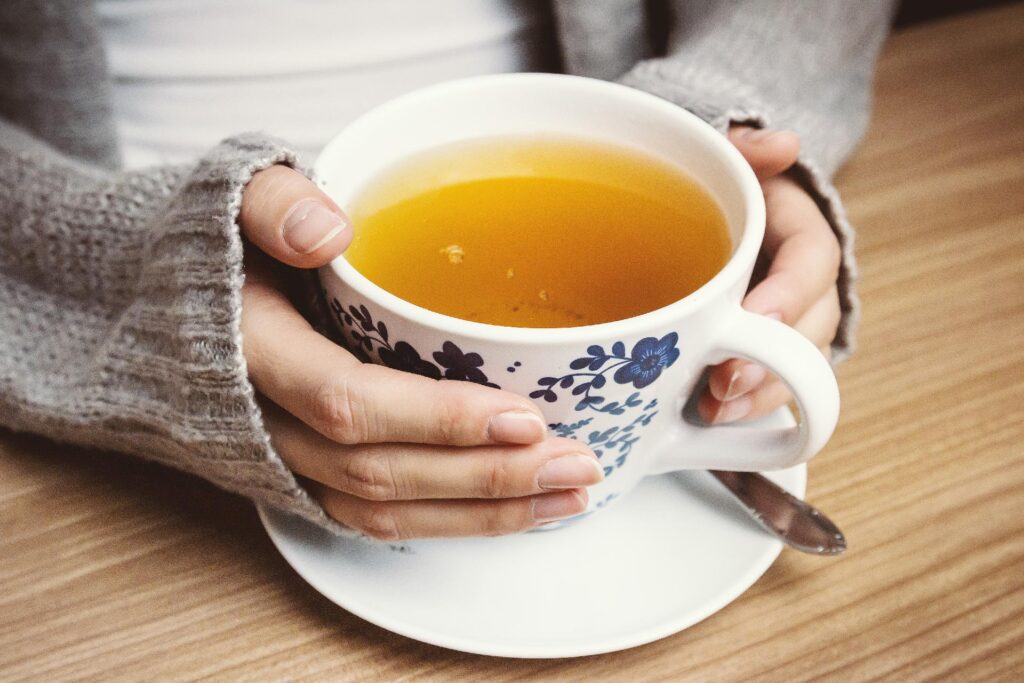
(782, 514)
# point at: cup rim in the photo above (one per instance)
(665, 316)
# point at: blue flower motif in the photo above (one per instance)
(404, 357)
(649, 357)
(366, 334)
(461, 366)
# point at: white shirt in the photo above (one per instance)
(188, 73)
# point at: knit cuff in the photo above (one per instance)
(120, 311)
(723, 102)
(233, 449)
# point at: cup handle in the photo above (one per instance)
(796, 361)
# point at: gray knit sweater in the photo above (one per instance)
(120, 291)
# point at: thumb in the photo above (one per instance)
(287, 216)
(769, 152)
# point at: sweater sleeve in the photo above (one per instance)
(804, 65)
(120, 299)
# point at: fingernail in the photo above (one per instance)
(759, 134)
(569, 472)
(310, 225)
(730, 411)
(517, 426)
(774, 315)
(554, 506)
(743, 380)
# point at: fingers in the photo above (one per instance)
(769, 152)
(291, 219)
(393, 521)
(350, 402)
(805, 254)
(764, 399)
(735, 377)
(393, 471)
(739, 389)
(799, 289)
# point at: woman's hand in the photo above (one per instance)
(389, 453)
(803, 258)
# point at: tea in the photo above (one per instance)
(537, 232)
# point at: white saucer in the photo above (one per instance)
(672, 552)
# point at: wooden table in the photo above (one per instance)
(110, 568)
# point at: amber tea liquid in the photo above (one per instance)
(537, 232)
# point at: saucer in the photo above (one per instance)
(672, 552)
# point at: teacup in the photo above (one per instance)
(620, 386)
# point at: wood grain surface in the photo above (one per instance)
(115, 569)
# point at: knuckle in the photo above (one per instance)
(454, 415)
(379, 521)
(261, 191)
(498, 481)
(337, 407)
(447, 422)
(500, 520)
(369, 476)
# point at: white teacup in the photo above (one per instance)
(619, 386)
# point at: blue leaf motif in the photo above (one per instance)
(404, 357)
(579, 363)
(589, 375)
(459, 365)
(365, 333)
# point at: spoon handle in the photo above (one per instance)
(785, 516)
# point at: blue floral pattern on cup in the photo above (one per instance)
(367, 334)
(611, 442)
(618, 439)
(640, 368)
